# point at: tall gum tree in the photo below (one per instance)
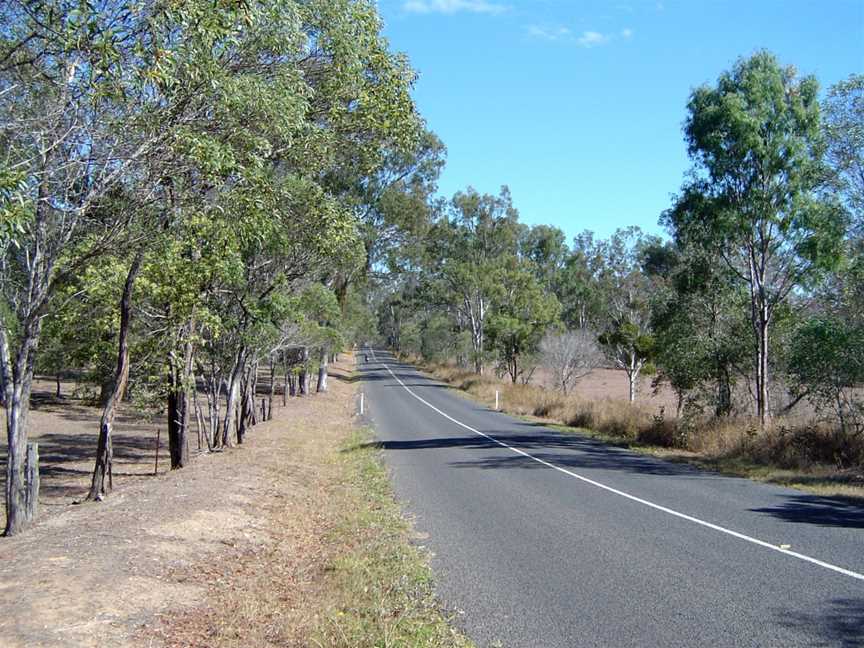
(466, 251)
(75, 82)
(756, 145)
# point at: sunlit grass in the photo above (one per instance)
(381, 588)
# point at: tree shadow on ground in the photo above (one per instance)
(844, 512)
(842, 625)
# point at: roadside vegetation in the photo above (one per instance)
(381, 583)
(801, 455)
(203, 203)
(185, 210)
(739, 336)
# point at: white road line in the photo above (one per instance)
(639, 500)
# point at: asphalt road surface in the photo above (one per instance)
(548, 539)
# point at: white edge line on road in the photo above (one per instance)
(639, 500)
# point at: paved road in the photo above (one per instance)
(544, 539)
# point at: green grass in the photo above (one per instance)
(382, 581)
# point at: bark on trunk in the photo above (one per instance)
(304, 374)
(285, 383)
(247, 416)
(179, 404)
(233, 388)
(102, 481)
(18, 387)
(322, 372)
(272, 389)
(764, 410)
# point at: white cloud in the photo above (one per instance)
(453, 6)
(592, 39)
(626, 32)
(551, 34)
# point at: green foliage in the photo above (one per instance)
(843, 112)
(826, 363)
(523, 313)
(756, 139)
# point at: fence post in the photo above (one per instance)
(156, 466)
(31, 473)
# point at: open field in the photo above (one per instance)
(259, 545)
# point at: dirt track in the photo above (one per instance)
(120, 572)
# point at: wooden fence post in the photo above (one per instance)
(31, 474)
(156, 467)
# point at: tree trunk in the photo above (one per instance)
(272, 388)
(18, 385)
(252, 393)
(322, 372)
(57, 391)
(303, 387)
(285, 383)
(724, 394)
(233, 388)
(246, 418)
(178, 404)
(103, 482)
(763, 405)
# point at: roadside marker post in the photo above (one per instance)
(361, 403)
(496, 400)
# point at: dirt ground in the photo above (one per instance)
(143, 567)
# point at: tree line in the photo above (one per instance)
(756, 290)
(187, 197)
(197, 193)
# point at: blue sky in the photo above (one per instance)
(578, 106)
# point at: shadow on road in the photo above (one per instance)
(582, 454)
(566, 451)
(824, 511)
(842, 625)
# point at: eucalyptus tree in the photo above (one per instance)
(756, 144)
(178, 109)
(75, 122)
(466, 250)
(701, 328)
(545, 247)
(577, 287)
(523, 311)
(843, 123)
(626, 293)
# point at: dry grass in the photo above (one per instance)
(340, 569)
(283, 541)
(793, 452)
(379, 585)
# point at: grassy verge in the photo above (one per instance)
(380, 588)
(732, 448)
